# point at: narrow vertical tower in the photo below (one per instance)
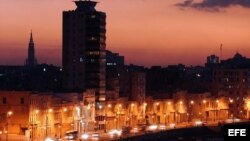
(220, 52)
(31, 60)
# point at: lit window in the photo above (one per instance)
(94, 53)
(93, 38)
(81, 59)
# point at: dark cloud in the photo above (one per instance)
(213, 4)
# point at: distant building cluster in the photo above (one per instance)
(96, 91)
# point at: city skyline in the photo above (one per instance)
(164, 32)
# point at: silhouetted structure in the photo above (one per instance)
(84, 51)
(212, 61)
(31, 60)
(238, 61)
(84, 43)
(38, 78)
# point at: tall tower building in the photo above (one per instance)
(31, 60)
(84, 45)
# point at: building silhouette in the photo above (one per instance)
(84, 52)
(31, 60)
(212, 61)
(84, 43)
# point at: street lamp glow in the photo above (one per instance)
(217, 101)
(109, 105)
(120, 105)
(145, 104)
(192, 102)
(50, 110)
(231, 100)
(37, 111)
(204, 101)
(169, 103)
(65, 109)
(132, 104)
(9, 113)
(100, 106)
(181, 102)
(157, 104)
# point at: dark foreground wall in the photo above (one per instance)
(187, 134)
(203, 133)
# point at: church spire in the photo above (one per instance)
(31, 59)
(31, 38)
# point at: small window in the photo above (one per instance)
(93, 16)
(4, 100)
(22, 100)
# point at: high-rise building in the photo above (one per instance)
(84, 52)
(84, 43)
(31, 60)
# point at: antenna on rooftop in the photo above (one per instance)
(221, 52)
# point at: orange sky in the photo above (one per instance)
(146, 32)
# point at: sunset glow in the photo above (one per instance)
(160, 32)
